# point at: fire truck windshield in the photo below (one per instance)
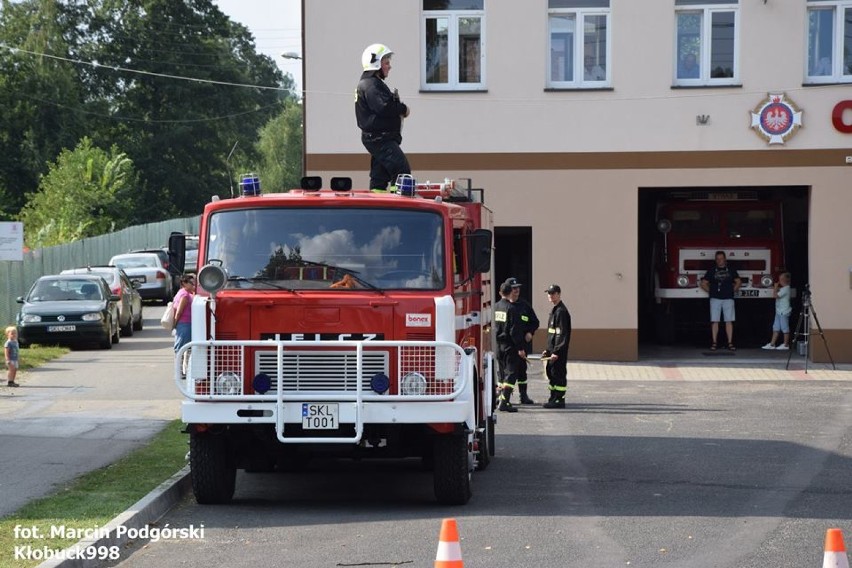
(340, 248)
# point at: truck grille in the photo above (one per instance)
(322, 370)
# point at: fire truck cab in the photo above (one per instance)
(341, 323)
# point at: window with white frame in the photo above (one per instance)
(829, 50)
(453, 39)
(579, 44)
(706, 45)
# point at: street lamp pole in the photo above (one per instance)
(292, 55)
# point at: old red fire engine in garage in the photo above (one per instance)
(340, 322)
(692, 226)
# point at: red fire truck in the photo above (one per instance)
(344, 323)
(692, 226)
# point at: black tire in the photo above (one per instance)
(116, 333)
(212, 468)
(137, 325)
(483, 456)
(127, 331)
(452, 470)
(492, 444)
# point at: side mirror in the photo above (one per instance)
(479, 251)
(20, 299)
(177, 252)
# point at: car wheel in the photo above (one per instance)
(115, 332)
(137, 325)
(127, 330)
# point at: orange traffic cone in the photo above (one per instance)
(449, 549)
(835, 551)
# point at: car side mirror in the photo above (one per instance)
(20, 299)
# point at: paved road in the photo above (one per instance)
(84, 411)
(683, 473)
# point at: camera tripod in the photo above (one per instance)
(804, 330)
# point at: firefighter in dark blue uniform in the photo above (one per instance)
(379, 114)
(511, 354)
(556, 354)
(530, 324)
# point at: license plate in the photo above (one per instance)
(749, 293)
(53, 328)
(319, 416)
(139, 279)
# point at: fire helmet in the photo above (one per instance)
(371, 59)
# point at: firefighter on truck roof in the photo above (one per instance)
(379, 114)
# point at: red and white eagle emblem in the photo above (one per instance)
(776, 119)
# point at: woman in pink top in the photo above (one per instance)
(182, 304)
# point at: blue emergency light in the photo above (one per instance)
(250, 185)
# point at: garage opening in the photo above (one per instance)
(764, 232)
(513, 257)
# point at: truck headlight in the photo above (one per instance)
(766, 281)
(227, 383)
(212, 278)
(683, 280)
(413, 384)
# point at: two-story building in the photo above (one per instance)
(578, 117)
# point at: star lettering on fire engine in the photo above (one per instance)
(776, 118)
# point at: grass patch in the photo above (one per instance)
(94, 499)
(37, 355)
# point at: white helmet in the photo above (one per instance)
(371, 59)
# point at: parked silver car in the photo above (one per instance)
(146, 269)
(130, 300)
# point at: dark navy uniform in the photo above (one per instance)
(379, 114)
(510, 340)
(530, 323)
(558, 338)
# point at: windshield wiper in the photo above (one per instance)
(261, 280)
(350, 272)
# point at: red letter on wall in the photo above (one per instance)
(837, 117)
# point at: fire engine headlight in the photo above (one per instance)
(261, 383)
(766, 281)
(380, 383)
(227, 383)
(683, 280)
(413, 384)
(212, 278)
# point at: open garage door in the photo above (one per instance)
(763, 231)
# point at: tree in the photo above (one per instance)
(182, 131)
(36, 93)
(86, 192)
(280, 148)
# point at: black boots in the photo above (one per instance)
(522, 391)
(558, 403)
(505, 405)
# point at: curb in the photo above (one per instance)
(145, 511)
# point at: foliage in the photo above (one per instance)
(280, 149)
(67, 72)
(86, 192)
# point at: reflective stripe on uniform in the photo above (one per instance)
(499, 316)
(560, 389)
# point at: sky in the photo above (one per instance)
(276, 26)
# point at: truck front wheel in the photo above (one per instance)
(213, 468)
(453, 462)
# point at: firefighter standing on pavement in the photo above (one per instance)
(379, 114)
(530, 323)
(510, 346)
(556, 354)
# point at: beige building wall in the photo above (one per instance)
(570, 163)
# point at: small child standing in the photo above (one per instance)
(782, 314)
(11, 348)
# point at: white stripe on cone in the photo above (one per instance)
(452, 551)
(835, 560)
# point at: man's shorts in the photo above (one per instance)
(719, 307)
(782, 323)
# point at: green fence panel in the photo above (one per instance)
(17, 277)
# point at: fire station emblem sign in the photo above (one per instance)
(776, 118)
